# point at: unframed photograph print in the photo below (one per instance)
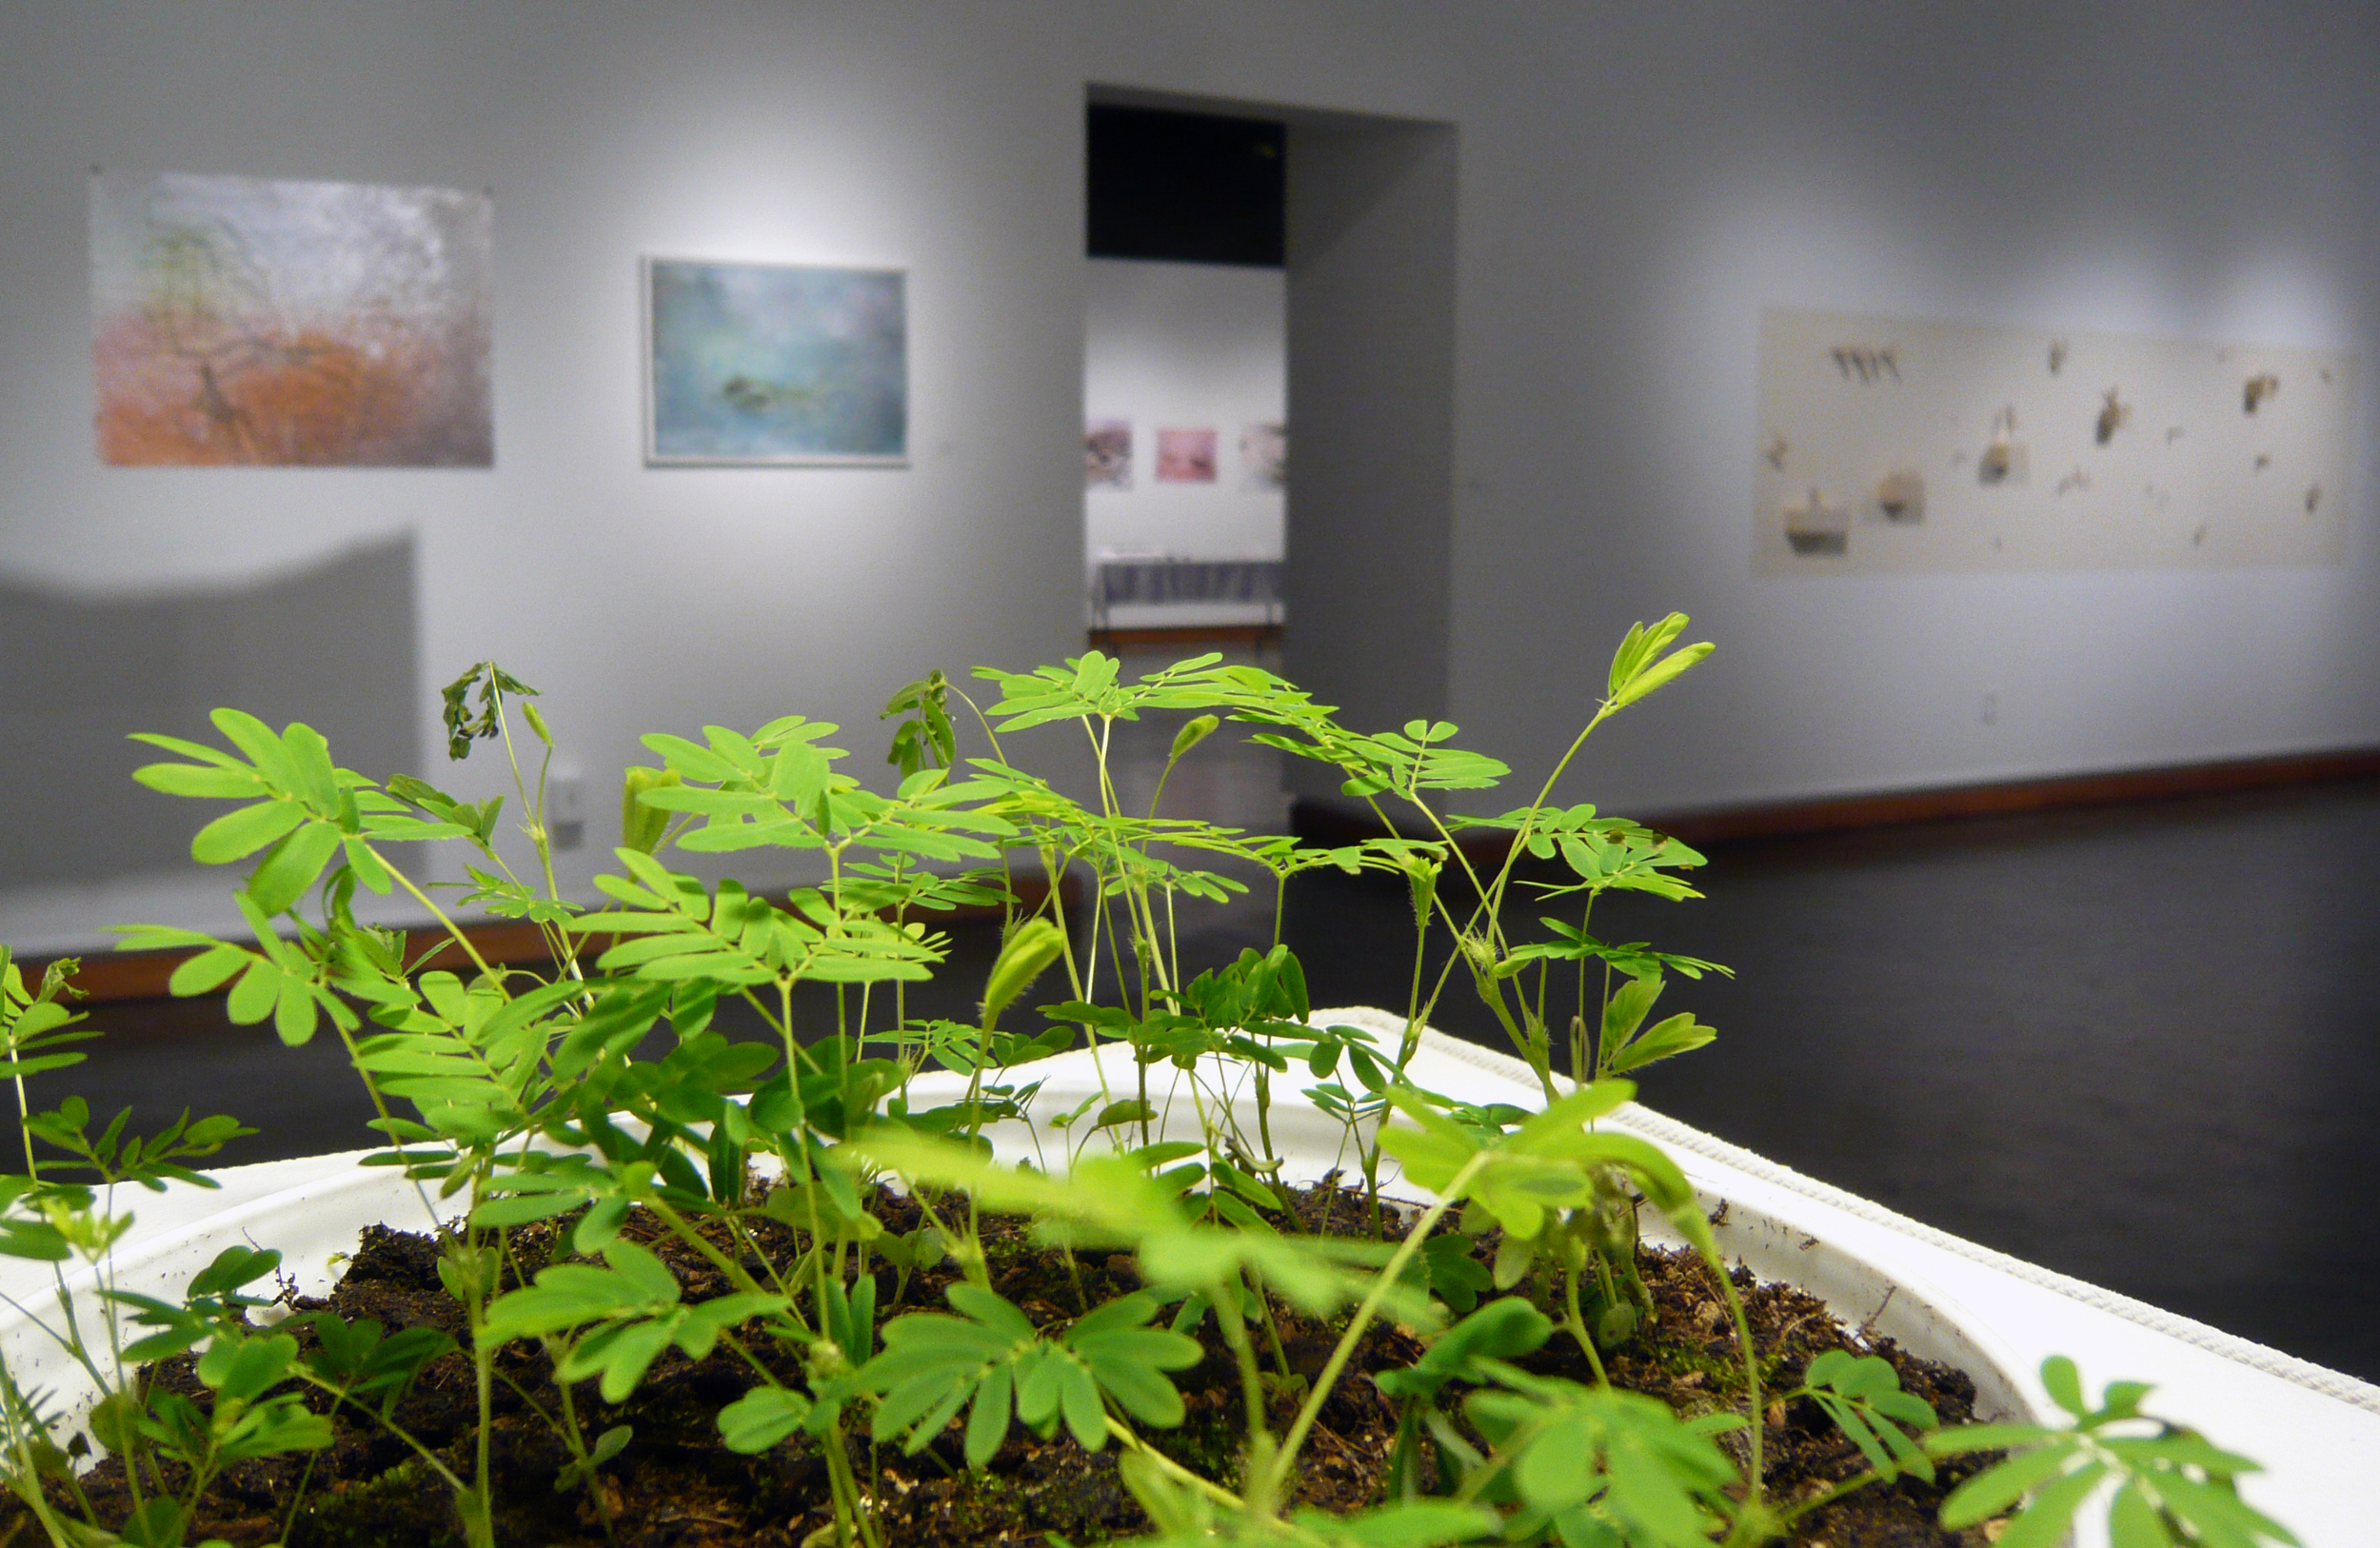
(1903, 445)
(240, 321)
(1264, 456)
(1185, 456)
(1107, 455)
(766, 362)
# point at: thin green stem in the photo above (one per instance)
(478, 1518)
(1520, 839)
(1365, 1311)
(683, 1230)
(24, 1118)
(1577, 1325)
(541, 837)
(1411, 1043)
(430, 1458)
(1753, 1414)
(1819, 1501)
(1172, 1469)
(439, 913)
(576, 1437)
(1261, 1449)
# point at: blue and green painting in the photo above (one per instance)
(763, 363)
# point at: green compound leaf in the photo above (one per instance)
(1504, 1329)
(238, 834)
(2175, 1487)
(1863, 1396)
(762, 1417)
(2064, 1384)
(1585, 1452)
(994, 1363)
(1635, 671)
(289, 870)
(1456, 1276)
(1127, 1359)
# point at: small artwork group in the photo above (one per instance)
(242, 320)
(1186, 455)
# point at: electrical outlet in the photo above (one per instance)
(565, 806)
(1991, 713)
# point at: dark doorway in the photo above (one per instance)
(1186, 188)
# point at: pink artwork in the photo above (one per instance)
(1185, 456)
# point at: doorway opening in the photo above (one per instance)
(1261, 275)
(1186, 379)
(1360, 211)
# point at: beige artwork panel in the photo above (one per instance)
(1889, 445)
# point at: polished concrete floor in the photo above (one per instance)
(2139, 1046)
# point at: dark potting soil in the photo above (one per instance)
(674, 1486)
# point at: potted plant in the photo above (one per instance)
(773, 1280)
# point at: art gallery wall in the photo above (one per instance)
(1196, 346)
(1635, 188)
(1638, 185)
(946, 140)
(1631, 188)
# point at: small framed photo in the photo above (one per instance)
(1185, 456)
(775, 365)
(1107, 455)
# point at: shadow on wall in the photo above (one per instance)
(332, 645)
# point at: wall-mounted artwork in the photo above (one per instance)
(1185, 456)
(1887, 445)
(240, 321)
(1264, 456)
(775, 364)
(1107, 455)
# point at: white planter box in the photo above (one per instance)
(2317, 1431)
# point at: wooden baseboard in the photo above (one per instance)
(2118, 787)
(145, 975)
(1252, 636)
(1330, 822)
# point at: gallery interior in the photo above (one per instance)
(1988, 386)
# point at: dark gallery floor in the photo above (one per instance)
(2136, 1044)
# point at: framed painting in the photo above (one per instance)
(247, 321)
(775, 365)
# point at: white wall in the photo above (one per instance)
(1192, 345)
(1635, 183)
(638, 598)
(1639, 182)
